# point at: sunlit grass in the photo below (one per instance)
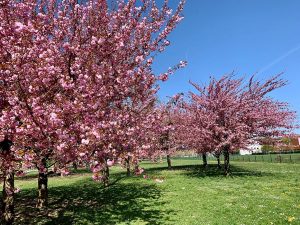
(256, 193)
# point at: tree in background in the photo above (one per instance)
(196, 130)
(238, 111)
(169, 127)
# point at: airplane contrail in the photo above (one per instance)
(279, 59)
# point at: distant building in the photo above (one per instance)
(250, 149)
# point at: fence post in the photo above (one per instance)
(271, 158)
(291, 158)
(262, 156)
(279, 158)
(255, 158)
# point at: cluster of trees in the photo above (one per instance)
(77, 87)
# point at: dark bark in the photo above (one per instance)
(8, 198)
(219, 162)
(169, 162)
(42, 201)
(8, 185)
(75, 167)
(128, 166)
(105, 174)
(204, 159)
(226, 161)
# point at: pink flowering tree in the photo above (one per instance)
(114, 76)
(39, 101)
(169, 127)
(70, 71)
(11, 159)
(229, 113)
(196, 129)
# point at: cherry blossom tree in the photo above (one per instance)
(124, 76)
(196, 130)
(229, 113)
(32, 78)
(169, 127)
(9, 160)
(70, 72)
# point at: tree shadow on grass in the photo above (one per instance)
(211, 170)
(89, 203)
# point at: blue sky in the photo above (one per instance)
(245, 36)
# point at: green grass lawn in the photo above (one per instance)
(256, 193)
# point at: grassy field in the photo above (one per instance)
(256, 193)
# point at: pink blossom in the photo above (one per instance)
(64, 172)
(163, 77)
(17, 190)
(139, 58)
(19, 26)
(110, 163)
(85, 141)
(97, 177)
(81, 154)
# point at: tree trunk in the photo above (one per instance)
(204, 158)
(219, 162)
(8, 198)
(226, 160)
(105, 174)
(43, 187)
(169, 162)
(75, 167)
(128, 166)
